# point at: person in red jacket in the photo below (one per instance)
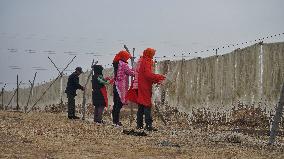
(141, 91)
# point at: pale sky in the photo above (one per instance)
(30, 28)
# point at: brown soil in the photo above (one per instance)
(52, 135)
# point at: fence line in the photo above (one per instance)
(252, 75)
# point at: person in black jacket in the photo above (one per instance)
(99, 93)
(72, 86)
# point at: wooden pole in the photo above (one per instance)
(160, 115)
(132, 65)
(2, 94)
(32, 86)
(3, 89)
(277, 118)
(131, 106)
(61, 88)
(61, 81)
(15, 91)
(163, 96)
(84, 92)
(17, 108)
(51, 84)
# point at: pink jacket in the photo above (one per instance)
(122, 80)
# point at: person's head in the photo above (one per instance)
(98, 69)
(78, 70)
(149, 53)
(122, 55)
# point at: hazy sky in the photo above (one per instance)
(30, 28)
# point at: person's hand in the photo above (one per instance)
(164, 82)
(111, 81)
(161, 82)
(162, 77)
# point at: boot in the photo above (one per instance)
(139, 127)
(150, 128)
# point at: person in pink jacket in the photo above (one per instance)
(121, 83)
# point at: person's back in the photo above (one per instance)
(98, 86)
(72, 86)
(99, 93)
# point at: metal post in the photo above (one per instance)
(17, 108)
(277, 117)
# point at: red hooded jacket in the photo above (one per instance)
(146, 78)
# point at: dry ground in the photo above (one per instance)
(51, 135)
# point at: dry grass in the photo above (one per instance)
(49, 135)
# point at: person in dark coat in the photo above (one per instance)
(72, 86)
(99, 93)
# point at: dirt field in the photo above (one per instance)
(50, 135)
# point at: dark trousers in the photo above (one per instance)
(117, 105)
(142, 110)
(71, 105)
(98, 113)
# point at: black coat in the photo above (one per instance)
(73, 84)
(97, 95)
